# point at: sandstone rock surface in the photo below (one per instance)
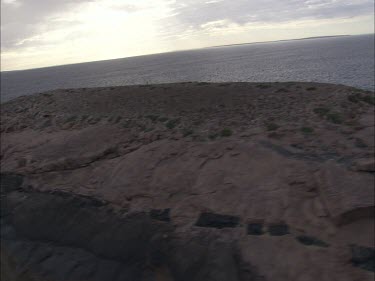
(189, 181)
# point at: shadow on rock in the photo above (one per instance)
(61, 236)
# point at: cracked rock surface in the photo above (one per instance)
(189, 181)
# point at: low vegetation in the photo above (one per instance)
(226, 132)
(360, 143)
(71, 118)
(307, 130)
(148, 130)
(272, 126)
(369, 99)
(117, 119)
(163, 119)
(263, 86)
(153, 118)
(334, 117)
(282, 90)
(358, 97)
(311, 89)
(172, 123)
(224, 85)
(212, 136)
(187, 132)
(321, 111)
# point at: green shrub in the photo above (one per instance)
(307, 130)
(360, 143)
(289, 84)
(127, 124)
(71, 118)
(272, 126)
(226, 132)
(163, 119)
(282, 90)
(357, 97)
(212, 136)
(153, 118)
(334, 117)
(172, 123)
(142, 127)
(321, 111)
(275, 135)
(354, 98)
(263, 86)
(311, 89)
(187, 132)
(117, 119)
(369, 99)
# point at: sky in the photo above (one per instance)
(39, 33)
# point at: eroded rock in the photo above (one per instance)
(311, 241)
(278, 229)
(255, 229)
(122, 188)
(363, 257)
(161, 215)
(61, 236)
(217, 220)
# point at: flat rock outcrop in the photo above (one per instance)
(189, 181)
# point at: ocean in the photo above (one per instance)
(345, 60)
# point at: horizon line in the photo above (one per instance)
(184, 50)
(284, 40)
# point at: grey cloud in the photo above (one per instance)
(33, 11)
(192, 14)
(22, 20)
(26, 18)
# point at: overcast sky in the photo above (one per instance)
(37, 33)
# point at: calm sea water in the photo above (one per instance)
(343, 60)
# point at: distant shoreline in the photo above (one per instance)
(283, 40)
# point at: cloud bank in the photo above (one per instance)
(31, 28)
